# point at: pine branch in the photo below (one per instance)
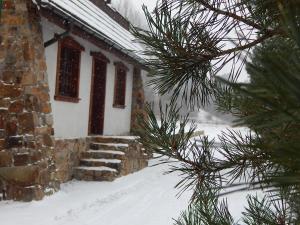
(234, 16)
(272, 209)
(186, 45)
(268, 156)
(208, 210)
(252, 44)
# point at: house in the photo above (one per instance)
(70, 93)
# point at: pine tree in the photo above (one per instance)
(188, 46)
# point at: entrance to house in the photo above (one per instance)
(96, 122)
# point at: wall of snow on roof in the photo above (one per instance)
(89, 15)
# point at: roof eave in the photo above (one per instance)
(141, 62)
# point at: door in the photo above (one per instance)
(98, 97)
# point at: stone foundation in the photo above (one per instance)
(136, 158)
(111, 157)
(67, 156)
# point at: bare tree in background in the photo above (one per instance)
(130, 12)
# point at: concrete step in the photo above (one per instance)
(103, 154)
(95, 173)
(103, 161)
(111, 163)
(109, 146)
(115, 139)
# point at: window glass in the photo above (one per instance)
(120, 87)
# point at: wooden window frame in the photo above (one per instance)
(70, 43)
(120, 65)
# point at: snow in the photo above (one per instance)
(117, 161)
(107, 151)
(98, 168)
(147, 197)
(89, 15)
(213, 130)
(114, 144)
(122, 137)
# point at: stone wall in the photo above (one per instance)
(27, 169)
(69, 152)
(67, 156)
(138, 99)
(136, 158)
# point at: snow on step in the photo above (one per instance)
(107, 151)
(122, 137)
(112, 144)
(100, 168)
(117, 161)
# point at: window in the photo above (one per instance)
(120, 85)
(68, 70)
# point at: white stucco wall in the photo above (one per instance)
(71, 119)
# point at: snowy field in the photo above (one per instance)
(147, 197)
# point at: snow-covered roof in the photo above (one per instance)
(99, 23)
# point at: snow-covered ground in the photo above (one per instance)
(147, 197)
